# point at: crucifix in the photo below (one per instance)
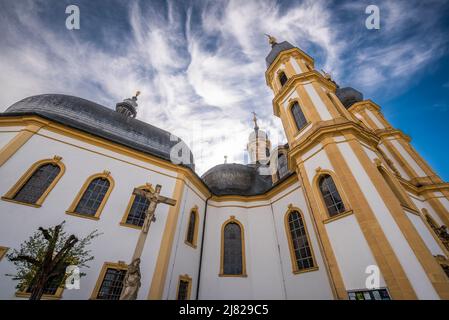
(131, 282)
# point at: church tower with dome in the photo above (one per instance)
(346, 209)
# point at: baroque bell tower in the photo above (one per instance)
(351, 174)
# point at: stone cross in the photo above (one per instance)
(131, 283)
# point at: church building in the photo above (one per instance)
(346, 209)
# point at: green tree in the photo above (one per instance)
(44, 257)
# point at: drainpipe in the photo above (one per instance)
(202, 248)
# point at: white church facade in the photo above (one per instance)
(348, 192)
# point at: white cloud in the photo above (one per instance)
(201, 68)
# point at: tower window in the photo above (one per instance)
(331, 197)
(298, 115)
(282, 165)
(301, 252)
(282, 78)
(233, 259)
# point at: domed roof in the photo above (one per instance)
(276, 49)
(348, 96)
(100, 121)
(236, 179)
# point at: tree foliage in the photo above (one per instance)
(45, 256)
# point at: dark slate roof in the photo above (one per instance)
(100, 121)
(348, 96)
(236, 179)
(276, 49)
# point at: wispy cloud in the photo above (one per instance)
(200, 64)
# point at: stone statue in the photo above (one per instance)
(132, 281)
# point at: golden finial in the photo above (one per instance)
(272, 40)
(137, 93)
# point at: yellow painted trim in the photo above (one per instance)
(339, 216)
(3, 251)
(295, 269)
(193, 244)
(9, 196)
(18, 141)
(160, 272)
(56, 296)
(107, 265)
(188, 279)
(232, 219)
(71, 209)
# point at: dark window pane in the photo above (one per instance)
(183, 290)
(92, 197)
(301, 248)
(299, 117)
(282, 78)
(191, 229)
(112, 285)
(332, 199)
(38, 183)
(136, 215)
(232, 255)
(282, 165)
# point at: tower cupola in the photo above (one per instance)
(128, 107)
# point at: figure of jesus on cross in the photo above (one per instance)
(131, 282)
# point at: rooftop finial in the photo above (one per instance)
(136, 95)
(272, 40)
(225, 159)
(256, 127)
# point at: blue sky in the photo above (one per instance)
(200, 64)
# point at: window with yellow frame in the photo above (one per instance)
(52, 290)
(109, 284)
(192, 228)
(36, 183)
(301, 251)
(134, 216)
(233, 260)
(184, 287)
(92, 197)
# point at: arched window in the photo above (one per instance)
(282, 78)
(137, 208)
(33, 187)
(331, 197)
(233, 255)
(282, 165)
(192, 228)
(299, 242)
(298, 115)
(92, 197)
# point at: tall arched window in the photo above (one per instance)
(282, 78)
(299, 242)
(37, 182)
(233, 253)
(298, 115)
(92, 197)
(192, 228)
(331, 197)
(282, 165)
